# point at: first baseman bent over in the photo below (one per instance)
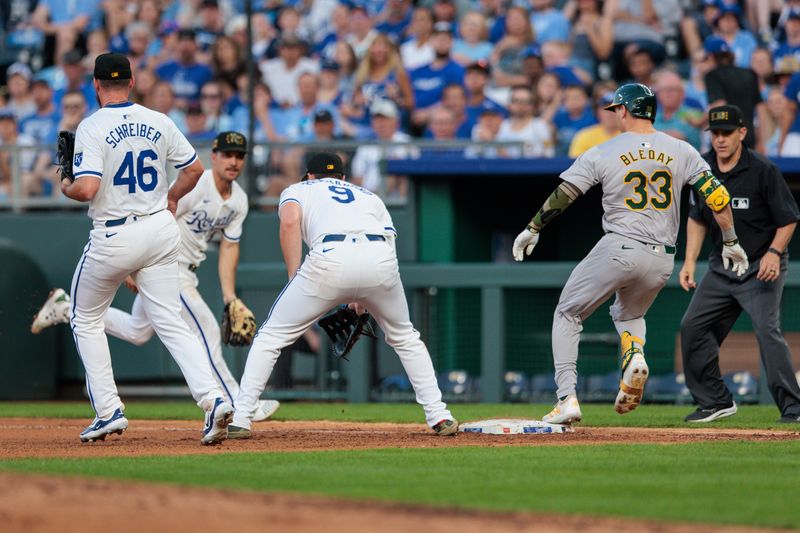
(121, 153)
(642, 173)
(352, 259)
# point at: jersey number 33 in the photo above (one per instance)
(655, 190)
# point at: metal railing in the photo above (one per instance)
(29, 180)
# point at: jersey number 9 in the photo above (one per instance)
(145, 175)
(662, 195)
(343, 194)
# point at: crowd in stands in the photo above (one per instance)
(534, 72)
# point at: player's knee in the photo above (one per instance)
(141, 336)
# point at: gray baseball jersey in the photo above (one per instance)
(642, 175)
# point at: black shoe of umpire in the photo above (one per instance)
(707, 415)
(789, 419)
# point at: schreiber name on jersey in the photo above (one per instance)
(132, 129)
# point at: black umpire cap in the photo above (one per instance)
(725, 118)
(111, 66)
(325, 164)
(229, 141)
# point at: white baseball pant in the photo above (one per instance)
(354, 270)
(136, 327)
(148, 247)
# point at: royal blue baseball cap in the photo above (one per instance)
(532, 50)
(729, 9)
(716, 45)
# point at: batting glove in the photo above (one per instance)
(733, 255)
(524, 244)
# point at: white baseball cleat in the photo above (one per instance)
(217, 420)
(54, 311)
(634, 374)
(566, 411)
(265, 409)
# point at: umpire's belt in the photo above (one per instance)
(340, 237)
(129, 218)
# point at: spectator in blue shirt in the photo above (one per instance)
(791, 46)
(454, 100)
(42, 126)
(339, 29)
(673, 116)
(211, 25)
(66, 21)
(472, 45)
(429, 81)
(398, 17)
(549, 23)
(196, 129)
(185, 75)
(575, 115)
(475, 80)
(76, 80)
(789, 145)
(741, 41)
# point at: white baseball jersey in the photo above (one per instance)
(326, 210)
(129, 147)
(202, 213)
(642, 176)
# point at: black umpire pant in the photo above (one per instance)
(717, 303)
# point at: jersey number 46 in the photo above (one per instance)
(144, 175)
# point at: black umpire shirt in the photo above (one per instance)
(761, 203)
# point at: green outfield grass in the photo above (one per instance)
(742, 483)
(752, 417)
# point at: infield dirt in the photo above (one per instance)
(51, 437)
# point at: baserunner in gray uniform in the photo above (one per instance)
(642, 173)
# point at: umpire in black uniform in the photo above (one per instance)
(765, 215)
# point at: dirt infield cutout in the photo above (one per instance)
(49, 437)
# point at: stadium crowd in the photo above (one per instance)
(536, 72)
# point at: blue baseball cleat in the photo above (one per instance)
(99, 429)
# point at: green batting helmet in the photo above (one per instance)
(638, 99)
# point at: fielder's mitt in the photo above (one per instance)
(66, 149)
(344, 327)
(238, 324)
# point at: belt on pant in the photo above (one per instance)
(123, 220)
(669, 250)
(340, 237)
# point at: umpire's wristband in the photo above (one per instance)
(775, 251)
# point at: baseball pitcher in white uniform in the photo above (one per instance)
(217, 205)
(642, 173)
(351, 259)
(120, 158)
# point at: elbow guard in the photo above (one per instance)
(712, 191)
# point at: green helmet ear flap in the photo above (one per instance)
(638, 99)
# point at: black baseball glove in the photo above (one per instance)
(238, 324)
(66, 149)
(344, 327)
